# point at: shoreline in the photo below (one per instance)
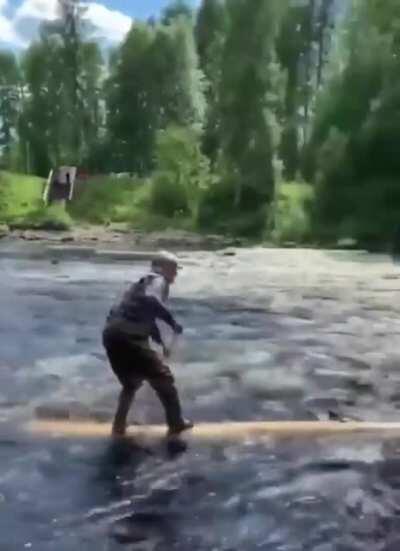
(119, 238)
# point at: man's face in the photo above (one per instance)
(170, 272)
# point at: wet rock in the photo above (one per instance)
(30, 236)
(77, 410)
(273, 384)
(330, 466)
(228, 252)
(334, 377)
(301, 313)
(125, 533)
(195, 480)
(393, 544)
(395, 397)
(10, 404)
(163, 496)
(52, 412)
(355, 363)
(100, 416)
(150, 518)
(347, 243)
(67, 239)
(362, 384)
(4, 230)
(322, 404)
(389, 471)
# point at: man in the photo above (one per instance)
(129, 327)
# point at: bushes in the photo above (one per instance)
(182, 172)
(292, 217)
(107, 199)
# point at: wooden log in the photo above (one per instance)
(219, 431)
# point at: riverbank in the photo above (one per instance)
(112, 209)
(120, 237)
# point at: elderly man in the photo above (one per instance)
(126, 337)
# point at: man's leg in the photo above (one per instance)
(121, 357)
(124, 404)
(163, 384)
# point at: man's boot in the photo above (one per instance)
(185, 424)
(168, 395)
(124, 404)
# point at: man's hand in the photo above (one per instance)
(178, 329)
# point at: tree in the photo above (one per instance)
(154, 83)
(41, 126)
(71, 28)
(130, 111)
(60, 117)
(211, 32)
(249, 101)
(9, 101)
(293, 43)
(91, 81)
(175, 10)
(356, 126)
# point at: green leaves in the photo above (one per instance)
(155, 81)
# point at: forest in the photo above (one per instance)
(277, 121)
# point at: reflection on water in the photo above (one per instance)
(276, 335)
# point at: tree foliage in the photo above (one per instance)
(352, 152)
(210, 103)
(249, 100)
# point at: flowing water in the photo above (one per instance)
(269, 335)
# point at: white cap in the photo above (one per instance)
(165, 257)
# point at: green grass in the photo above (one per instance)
(121, 200)
(130, 201)
(19, 195)
(106, 200)
(53, 218)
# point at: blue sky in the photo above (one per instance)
(135, 8)
(20, 19)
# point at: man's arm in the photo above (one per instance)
(156, 335)
(162, 313)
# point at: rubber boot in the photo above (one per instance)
(168, 395)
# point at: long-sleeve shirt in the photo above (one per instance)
(141, 306)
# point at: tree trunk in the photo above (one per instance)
(322, 25)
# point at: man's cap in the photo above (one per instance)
(165, 257)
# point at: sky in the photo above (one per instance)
(20, 19)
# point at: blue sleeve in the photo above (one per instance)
(161, 312)
(155, 334)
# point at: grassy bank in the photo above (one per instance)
(124, 200)
(138, 204)
(19, 195)
(21, 204)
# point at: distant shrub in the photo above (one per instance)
(293, 214)
(53, 218)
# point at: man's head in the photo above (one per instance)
(166, 264)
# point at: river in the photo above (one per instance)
(269, 334)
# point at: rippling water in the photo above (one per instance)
(270, 335)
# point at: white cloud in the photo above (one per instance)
(109, 25)
(37, 9)
(8, 34)
(113, 25)
(6, 30)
